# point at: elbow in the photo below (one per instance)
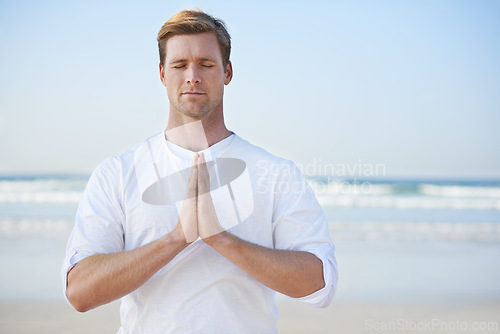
(82, 308)
(77, 300)
(311, 282)
(303, 290)
(319, 284)
(316, 285)
(320, 287)
(76, 292)
(78, 297)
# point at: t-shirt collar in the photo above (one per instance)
(215, 150)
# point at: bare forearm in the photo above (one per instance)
(293, 273)
(103, 278)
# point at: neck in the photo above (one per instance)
(193, 133)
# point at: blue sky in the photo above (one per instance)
(412, 85)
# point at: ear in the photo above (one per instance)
(229, 73)
(162, 76)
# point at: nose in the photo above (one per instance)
(192, 75)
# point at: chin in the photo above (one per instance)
(195, 110)
(196, 114)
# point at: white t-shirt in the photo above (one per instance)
(269, 203)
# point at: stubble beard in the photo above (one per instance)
(198, 112)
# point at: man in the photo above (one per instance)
(195, 229)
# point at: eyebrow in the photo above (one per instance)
(182, 60)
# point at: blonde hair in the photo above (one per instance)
(194, 22)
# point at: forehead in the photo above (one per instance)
(204, 45)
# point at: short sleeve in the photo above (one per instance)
(99, 219)
(299, 223)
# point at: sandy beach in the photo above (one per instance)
(385, 287)
(56, 317)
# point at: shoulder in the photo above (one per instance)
(122, 164)
(265, 162)
(256, 153)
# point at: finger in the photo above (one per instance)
(193, 182)
(204, 168)
(204, 163)
(199, 161)
(193, 178)
(194, 164)
(203, 176)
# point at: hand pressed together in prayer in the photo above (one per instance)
(198, 217)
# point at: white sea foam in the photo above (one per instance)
(411, 195)
(41, 185)
(36, 228)
(347, 188)
(460, 191)
(59, 197)
(42, 191)
(410, 202)
(481, 232)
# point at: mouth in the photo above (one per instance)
(192, 93)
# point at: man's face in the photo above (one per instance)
(194, 74)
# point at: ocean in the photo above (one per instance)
(395, 238)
